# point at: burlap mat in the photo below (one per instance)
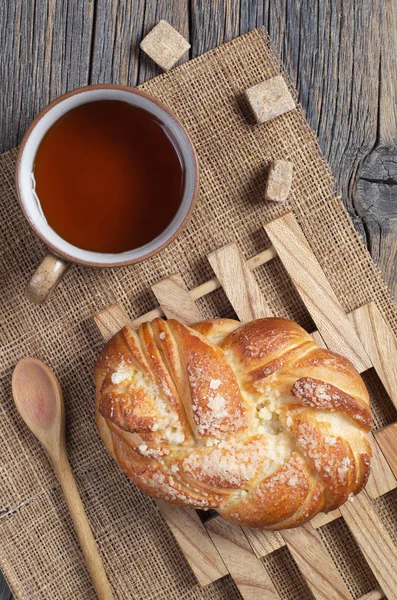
(38, 550)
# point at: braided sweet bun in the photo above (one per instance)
(255, 420)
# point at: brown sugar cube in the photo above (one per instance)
(270, 99)
(164, 45)
(279, 181)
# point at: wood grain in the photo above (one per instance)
(374, 595)
(119, 28)
(238, 283)
(169, 293)
(263, 542)
(45, 52)
(381, 479)
(380, 344)
(5, 593)
(375, 192)
(315, 290)
(325, 518)
(110, 320)
(195, 543)
(387, 440)
(360, 515)
(374, 541)
(186, 526)
(338, 53)
(248, 572)
(209, 286)
(38, 398)
(315, 564)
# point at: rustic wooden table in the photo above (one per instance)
(341, 54)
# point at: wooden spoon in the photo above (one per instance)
(38, 398)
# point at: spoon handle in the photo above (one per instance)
(82, 527)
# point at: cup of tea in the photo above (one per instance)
(106, 176)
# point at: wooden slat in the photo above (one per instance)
(168, 293)
(380, 345)
(387, 440)
(263, 542)
(381, 479)
(186, 526)
(315, 290)
(181, 305)
(196, 544)
(120, 27)
(110, 320)
(248, 572)
(325, 518)
(243, 291)
(315, 564)
(374, 595)
(45, 49)
(374, 541)
(227, 263)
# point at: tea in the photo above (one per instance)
(108, 176)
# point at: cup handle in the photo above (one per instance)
(45, 278)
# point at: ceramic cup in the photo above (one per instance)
(61, 252)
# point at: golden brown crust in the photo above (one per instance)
(324, 396)
(253, 420)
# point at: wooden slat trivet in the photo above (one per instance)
(367, 340)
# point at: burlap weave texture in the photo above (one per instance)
(38, 550)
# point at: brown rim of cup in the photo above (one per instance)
(116, 263)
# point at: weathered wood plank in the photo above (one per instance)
(323, 45)
(315, 290)
(120, 27)
(45, 52)
(375, 193)
(5, 593)
(334, 51)
(213, 24)
(387, 440)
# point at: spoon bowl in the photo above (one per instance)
(38, 399)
